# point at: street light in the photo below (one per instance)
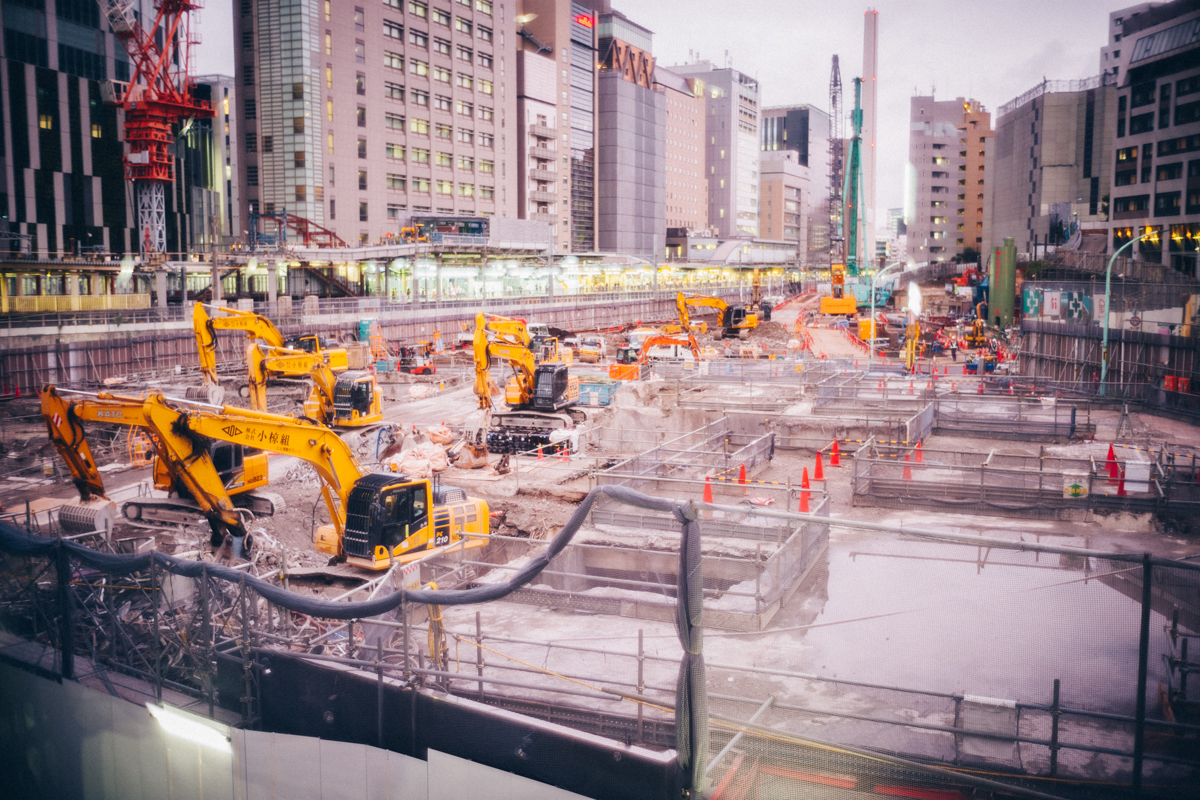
(874, 281)
(1107, 296)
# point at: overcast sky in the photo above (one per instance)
(991, 51)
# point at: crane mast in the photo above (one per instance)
(836, 153)
(156, 99)
(853, 191)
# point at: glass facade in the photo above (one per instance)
(583, 152)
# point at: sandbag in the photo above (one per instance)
(439, 434)
(418, 391)
(411, 464)
(468, 459)
(435, 454)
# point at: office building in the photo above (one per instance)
(217, 165)
(357, 119)
(804, 130)
(631, 140)
(62, 179)
(897, 236)
(1156, 169)
(975, 135)
(1110, 54)
(687, 186)
(731, 143)
(936, 165)
(783, 198)
(556, 89)
(1049, 165)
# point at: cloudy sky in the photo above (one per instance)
(987, 50)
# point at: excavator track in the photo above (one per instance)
(522, 431)
(169, 511)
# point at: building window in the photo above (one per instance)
(485, 60)
(485, 112)
(418, 9)
(360, 20)
(466, 109)
(466, 54)
(1125, 178)
(463, 25)
(444, 103)
(393, 60)
(252, 175)
(395, 151)
(360, 51)
(420, 97)
(486, 192)
(485, 86)
(360, 84)
(298, 125)
(485, 33)
(465, 81)
(362, 212)
(466, 190)
(420, 126)
(1143, 94)
(483, 5)
(1169, 172)
(466, 136)
(297, 91)
(445, 187)
(420, 185)
(393, 91)
(298, 159)
(362, 148)
(362, 180)
(466, 162)
(441, 74)
(418, 67)
(301, 194)
(441, 46)
(250, 104)
(418, 38)
(441, 17)
(1167, 204)
(487, 166)
(394, 121)
(393, 210)
(397, 183)
(444, 159)
(1141, 123)
(420, 155)
(332, 182)
(1137, 204)
(251, 139)
(445, 132)
(486, 140)
(360, 115)
(1187, 113)
(329, 110)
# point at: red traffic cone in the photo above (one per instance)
(910, 387)
(1010, 388)
(881, 384)
(1121, 486)
(835, 459)
(742, 478)
(707, 489)
(818, 472)
(803, 502)
(805, 485)
(952, 386)
(540, 456)
(1111, 463)
(945, 370)
(920, 458)
(979, 390)
(907, 469)
(563, 455)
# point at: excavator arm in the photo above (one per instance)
(282, 361)
(701, 300)
(503, 338)
(68, 437)
(255, 326)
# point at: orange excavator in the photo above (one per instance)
(631, 362)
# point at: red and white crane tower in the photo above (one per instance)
(157, 98)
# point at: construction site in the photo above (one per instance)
(837, 568)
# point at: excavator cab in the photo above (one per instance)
(393, 516)
(627, 354)
(552, 386)
(354, 396)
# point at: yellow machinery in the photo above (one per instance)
(866, 329)
(686, 325)
(591, 348)
(377, 518)
(551, 351)
(213, 479)
(257, 329)
(349, 400)
(912, 343)
(631, 361)
(735, 320)
(976, 335)
(838, 302)
(540, 397)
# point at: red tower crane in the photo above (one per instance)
(156, 99)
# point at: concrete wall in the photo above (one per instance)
(68, 741)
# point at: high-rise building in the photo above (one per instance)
(897, 235)
(731, 147)
(62, 179)
(556, 58)
(631, 139)
(1049, 164)
(687, 186)
(935, 168)
(1110, 54)
(1155, 186)
(804, 130)
(870, 90)
(216, 166)
(975, 136)
(783, 198)
(359, 118)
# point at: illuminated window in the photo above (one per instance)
(486, 192)
(328, 77)
(328, 43)
(463, 25)
(420, 185)
(360, 20)
(362, 148)
(418, 67)
(420, 156)
(487, 166)
(464, 81)
(485, 86)
(444, 159)
(445, 132)
(466, 162)
(393, 60)
(483, 5)
(420, 97)
(397, 183)
(441, 74)
(96, 131)
(395, 151)
(466, 190)
(418, 9)
(441, 17)
(360, 52)
(486, 112)
(445, 187)
(331, 143)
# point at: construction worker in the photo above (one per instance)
(954, 351)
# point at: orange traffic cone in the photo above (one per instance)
(980, 389)
(742, 478)
(563, 455)
(920, 458)
(910, 387)
(803, 502)
(1121, 485)
(881, 384)
(907, 469)
(540, 456)
(804, 480)
(834, 457)
(818, 472)
(1111, 462)
(707, 489)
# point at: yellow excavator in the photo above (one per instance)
(631, 361)
(349, 400)
(215, 479)
(258, 329)
(838, 302)
(540, 397)
(735, 320)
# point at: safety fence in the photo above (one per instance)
(1041, 487)
(1021, 418)
(970, 666)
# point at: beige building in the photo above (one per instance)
(355, 116)
(687, 188)
(936, 180)
(783, 198)
(974, 134)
